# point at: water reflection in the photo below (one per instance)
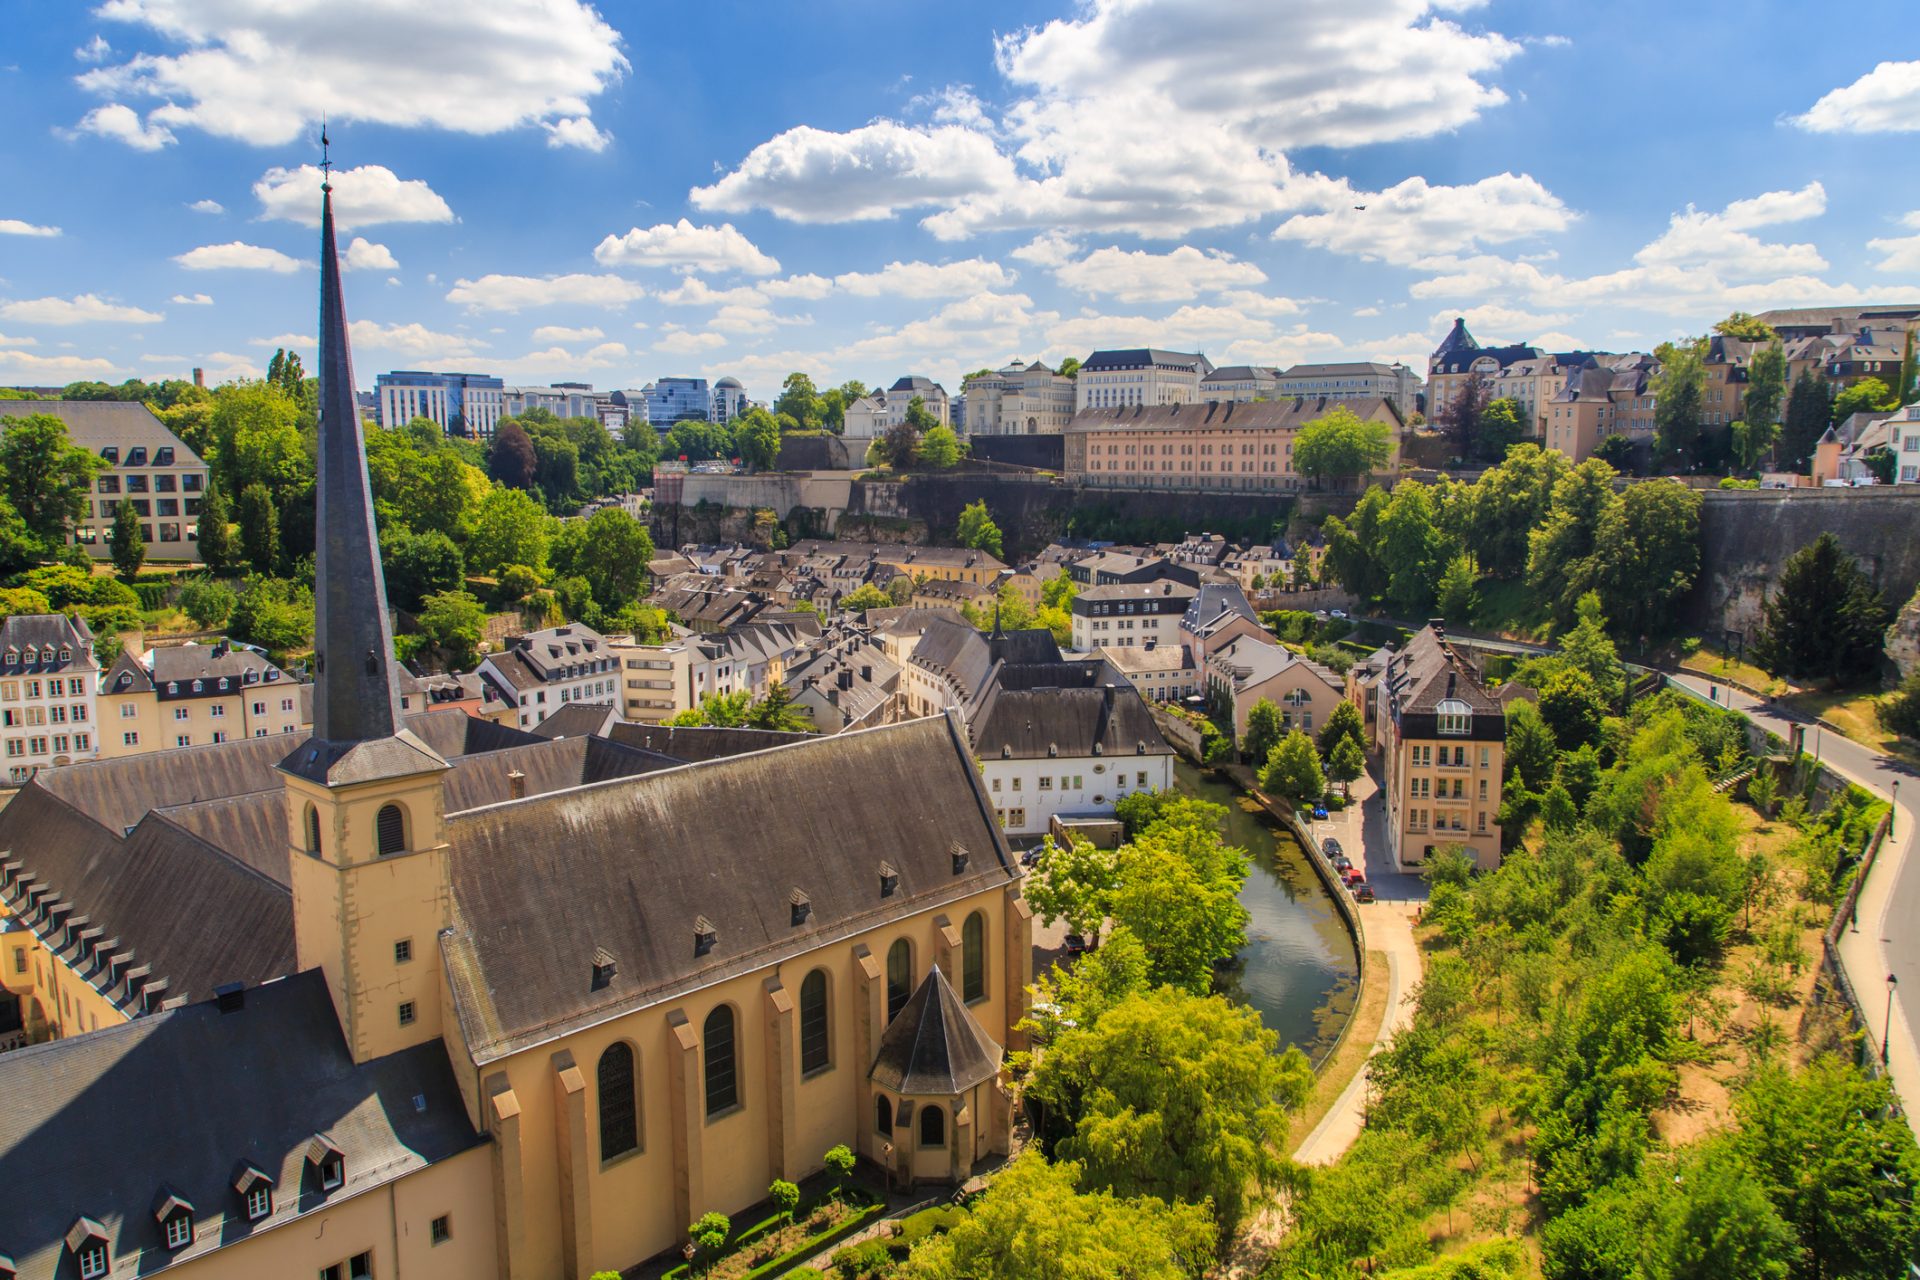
(1299, 968)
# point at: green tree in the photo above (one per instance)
(709, 1234)
(1069, 367)
(216, 533)
(1507, 502)
(1263, 731)
(919, 417)
(1766, 388)
(418, 565)
(757, 436)
(1588, 648)
(207, 602)
(898, 448)
(275, 614)
(1346, 764)
(45, 478)
(611, 550)
(1177, 889)
(1679, 391)
(1293, 771)
(1906, 387)
(1059, 591)
(800, 400)
(1502, 425)
(1899, 711)
(785, 1197)
(1825, 620)
(1074, 882)
(777, 711)
(1531, 749)
(696, 441)
(128, 543)
(1561, 552)
(508, 528)
(721, 710)
(866, 596)
(1869, 395)
(1746, 328)
(1712, 1221)
(1459, 588)
(1809, 414)
(259, 529)
(454, 621)
(1573, 707)
(511, 459)
(940, 450)
(1340, 445)
(1033, 1223)
(1413, 547)
(1342, 722)
(839, 1164)
(977, 529)
(1176, 1096)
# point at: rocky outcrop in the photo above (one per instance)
(1903, 638)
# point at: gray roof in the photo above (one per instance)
(695, 743)
(57, 642)
(1213, 599)
(1374, 368)
(1242, 373)
(1220, 415)
(1141, 357)
(934, 1047)
(1035, 711)
(1430, 671)
(104, 1125)
(627, 868)
(95, 424)
(1457, 341)
(576, 720)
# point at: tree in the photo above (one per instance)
(1746, 328)
(1293, 771)
(285, 373)
(454, 622)
(418, 565)
(977, 529)
(46, 479)
(1263, 731)
(1572, 707)
(259, 529)
(512, 460)
(1531, 749)
(919, 417)
(757, 436)
(785, 1197)
(1561, 563)
(1462, 418)
(1342, 722)
(776, 711)
(800, 400)
(216, 532)
(1501, 426)
(275, 614)
(1073, 882)
(697, 441)
(1825, 620)
(1712, 1220)
(206, 602)
(1809, 414)
(1647, 555)
(611, 550)
(1679, 391)
(1069, 367)
(1766, 387)
(508, 528)
(1413, 546)
(1899, 711)
(128, 543)
(1459, 589)
(839, 1163)
(1340, 445)
(897, 448)
(1507, 502)
(940, 450)
(1869, 395)
(1034, 1223)
(1346, 764)
(866, 596)
(709, 1234)
(1177, 1096)
(1906, 385)
(1587, 648)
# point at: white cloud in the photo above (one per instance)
(692, 291)
(220, 366)
(364, 255)
(558, 333)
(22, 366)
(1138, 276)
(6, 341)
(263, 74)
(1259, 304)
(1885, 100)
(1720, 240)
(1494, 322)
(414, 341)
(1366, 311)
(686, 247)
(1048, 249)
(517, 293)
(85, 308)
(122, 124)
(94, 50)
(361, 197)
(238, 256)
(1188, 328)
(926, 279)
(559, 362)
(1902, 252)
(801, 286)
(577, 131)
(207, 206)
(192, 299)
(812, 175)
(15, 227)
(1413, 219)
(685, 342)
(1289, 347)
(290, 341)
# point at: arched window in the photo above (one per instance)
(723, 1083)
(390, 829)
(933, 1127)
(973, 957)
(899, 977)
(882, 1115)
(313, 831)
(815, 1052)
(619, 1108)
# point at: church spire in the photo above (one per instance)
(356, 696)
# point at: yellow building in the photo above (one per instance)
(192, 695)
(431, 997)
(940, 564)
(1211, 446)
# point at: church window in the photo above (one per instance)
(313, 830)
(723, 1083)
(933, 1127)
(899, 977)
(973, 957)
(882, 1116)
(390, 829)
(619, 1111)
(815, 1052)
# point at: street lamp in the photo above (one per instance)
(1894, 811)
(1886, 1040)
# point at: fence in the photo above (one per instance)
(1832, 971)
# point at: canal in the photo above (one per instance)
(1299, 969)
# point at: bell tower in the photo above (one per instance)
(366, 810)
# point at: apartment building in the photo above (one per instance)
(542, 671)
(943, 564)
(48, 674)
(913, 387)
(195, 695)
(460, 404)
(1252, 668)
(1442, 739)
(1599, 400)
(1460, 357)
(659, 681)
(729, 399)
(1130, 615)
(1163, 673)
(1208, 447)
(1354, 381)
(1139, 377)
(562, 400)
(1905, 426)
(145, 464)
(1241, 383)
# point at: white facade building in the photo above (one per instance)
(542, 671)
(1358, 380)
(48, 681)
(1905, 442)
(1139, 376)
(1240, 383)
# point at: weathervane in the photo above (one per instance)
(326, 165)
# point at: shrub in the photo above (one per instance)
(870, 1258)
(785, 1197)
(209, 603)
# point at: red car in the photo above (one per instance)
(1353, 876)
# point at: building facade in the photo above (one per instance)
(1130, 615)
(196, 695)
(729, 399)
(671, 400)
(1353, 381)
(1218, 447)
(1905, 443)
(48, 674)
(562, 400)
(460, 404)
(1139, 377)
(1459, 358)
(1240, 383)
(542, 671)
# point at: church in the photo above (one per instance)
(429, 996)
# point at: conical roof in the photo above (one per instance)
(934, 1047)
(1457, 339)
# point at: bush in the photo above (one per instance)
(208, 602)
(870, 1258)
(911, 1230)
(1899, 712)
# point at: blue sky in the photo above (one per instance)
(547, 190)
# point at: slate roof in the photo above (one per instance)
(1242, 373)
(576, 720)
(104, 1124)
(1255, 660)
(94, 424)
(1141, 357)
(1288, 412)
(1356, 367)
(934, 1047)
(627, 867)
(1457, 342)
(1035, 711)
(1429, 671)
(1214, 599)
(696, 743)
(47, 635)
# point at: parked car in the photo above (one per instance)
(1353, 876)
(1030, 857)
(1319, 810)
(1076, 945)
(1330, 847)
(1363, 892)
(1340, 862)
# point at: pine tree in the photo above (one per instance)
(259, 529)
(1809, 414)
(216, 535)
(127, 540)
(1826, 620)
(1906, 389)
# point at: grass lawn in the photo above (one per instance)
(1852, 712)
(1709, 663)
(1369, 1011)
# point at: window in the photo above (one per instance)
(882, 1116)
(723, 1083)
(973, 958)
(442, 1229)
(358, 1267)
(259, 1201)
(406, 1013)
(93, 1260)
(129, 739)
(899, 977)
(1454, 716)
(179, 1230)
(403, 951)
(218, 710)
(390, 829)
(815, 1047)
(933, 1127)
(619, 1110)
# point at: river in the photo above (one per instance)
(1299, 969)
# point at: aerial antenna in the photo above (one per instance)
(326, 164)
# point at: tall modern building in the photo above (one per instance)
(729, 399)
(671, 400)
(462, 404)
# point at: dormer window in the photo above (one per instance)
(111, 455)
(173, 686)
(256, 1192)
(199, 685)
(889, 879)
(327, 1161)
(87, 1242)
(604, 967)
(66, 655)
(704, 935)
(175, 1216)
(1455, 717)
(799, 908)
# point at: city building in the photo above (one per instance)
(847, 682)
(1354, 381)
(1216, 447)
(1442, 740)
(1905, 443)
(671, 400)
(659, 681)
(407, 1001)
(48, 674)
(1460, 357)
(1139, 377)
(145, 464)
(1240, 383)
(1841, 455)
(1249, 669)
(562, 400)
(1162, 672)
(904, 391)
(864, 422)
(1598, 400)
(1124, 615)
(1018, 400)
(541, 671)
(460, 404)
(196, 695)
(729, 399)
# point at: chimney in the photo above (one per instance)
(866, 674)
(200, 377)
(517, 785)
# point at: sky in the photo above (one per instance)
(546, 190)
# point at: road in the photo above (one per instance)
(1882, 939)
